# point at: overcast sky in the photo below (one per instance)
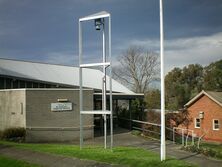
(47, 30)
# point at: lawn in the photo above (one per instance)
(214, 146)
(128, 156)
(9, 162)
(215, 149)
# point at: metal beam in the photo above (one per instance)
(106, 64)
(99, 15)
(163, 143)
(80, 86)
(96, 112)
(104, 85)
(110, 88)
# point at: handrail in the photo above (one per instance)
(143, 122)
(158, 125)
(184, 129)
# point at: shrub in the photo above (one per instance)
(192, 149)
(210, 152)
(13, 134)
(151, 131)
(136, 132)
(219, 154)
(205, 151)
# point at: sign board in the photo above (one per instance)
(61, 106)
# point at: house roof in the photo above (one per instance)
(58, 74)
(213, 95)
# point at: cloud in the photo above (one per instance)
(201, 50)
(183, 51)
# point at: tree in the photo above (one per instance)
(137, 109)
(183, 84)
(193, 78)
(176, 119)
(152, 98)
(213, 76)
(137, 69)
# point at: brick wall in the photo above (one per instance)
(211, 111)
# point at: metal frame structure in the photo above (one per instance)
(101, 15)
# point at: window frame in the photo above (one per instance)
(215, 124)
(195, 125)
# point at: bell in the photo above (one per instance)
(98, 23)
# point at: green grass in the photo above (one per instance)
(9, 162)
(214, 149)
(214, 146)
(128, 156)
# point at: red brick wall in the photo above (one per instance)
(211, 111)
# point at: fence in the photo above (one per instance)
(184, 135)
(145, 127)
(153, 129)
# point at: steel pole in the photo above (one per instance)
(182, 137)
(104, 84)
(192, 138)
(110, 89)
(163, 144)
(80, 86)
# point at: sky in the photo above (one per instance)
(47, 30)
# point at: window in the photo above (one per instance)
(28, 84)
(197, 123)
(8, 83)
(41, 85)
(216, 124)
(15, 84)
(35, 85)
(2, 83)
(22, 84)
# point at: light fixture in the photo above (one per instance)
(62, 100)
(98, 23)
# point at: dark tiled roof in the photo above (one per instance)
(216, 95)
(213, 95)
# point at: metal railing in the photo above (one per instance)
(172, 131)
(133, 124)
(184, 136)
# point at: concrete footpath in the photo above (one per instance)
(48, 160)
(173, 150)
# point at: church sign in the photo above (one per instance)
(61, 106)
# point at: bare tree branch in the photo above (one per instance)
(137, 68)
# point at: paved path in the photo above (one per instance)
(173, 150)
(48, 160)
